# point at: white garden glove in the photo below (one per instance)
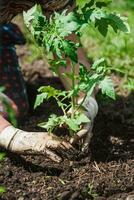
(85, 134)
(23, 142)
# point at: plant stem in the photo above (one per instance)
(61, 106)
(80, 104)
(73, 85)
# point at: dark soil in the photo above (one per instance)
(107, 172)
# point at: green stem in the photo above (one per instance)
(67, 108)
(73, 85)
(62, 107)
(80, 104)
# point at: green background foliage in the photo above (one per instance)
(116, 48)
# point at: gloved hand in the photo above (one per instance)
(85, 134)
(23, 142)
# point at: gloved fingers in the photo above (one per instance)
(78, 136)
(81, 134)
(52, 156)
(65, 150)
(87, 139)
(67, 145)
(85, 146)
(70, 152)
(56, 144)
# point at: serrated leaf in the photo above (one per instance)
(66, 23)
(57, 49)
(29, 15)
(51, 124)
(107, 87)
(97, 14)
(39, 99)
(119, 22)
(50, 91)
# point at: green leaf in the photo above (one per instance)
(51, 124)
(82, 118)
(70, 50)
(84, 3)
(98, 62)
(103, 3)
(97, 14)
(46, 93)
(91, 86)
(57, 47)
(39, 99)
(2, 88)
(2, 189)
(50, 91)
(2, 156)
(29, 15)
(72, 123)
(56, 64)
(87, 80)
(102, 26)
(120, 23)
(130, 85)
(107, 87)
(66, 23)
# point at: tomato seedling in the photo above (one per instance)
(52, 35)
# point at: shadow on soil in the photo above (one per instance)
(114, 130)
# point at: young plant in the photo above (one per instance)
(90, 192)
(52, 35)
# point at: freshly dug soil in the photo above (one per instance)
(106, 173)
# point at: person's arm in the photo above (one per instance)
(23, 142)
(17, 36)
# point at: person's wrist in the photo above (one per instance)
(3, 124)
(7, 135)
